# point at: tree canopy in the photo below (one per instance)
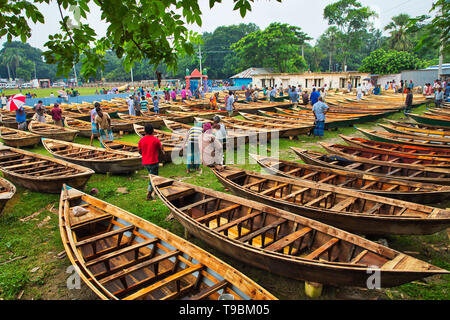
(392, 61)
(136, 30)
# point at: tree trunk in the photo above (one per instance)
(9, 72)
(330, 61)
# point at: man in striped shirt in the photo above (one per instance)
(143, 104)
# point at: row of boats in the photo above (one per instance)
(301, 221)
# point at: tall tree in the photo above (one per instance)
(136, 29)
(328, 41)
(351, 19)
(400, 39)
(277, 47)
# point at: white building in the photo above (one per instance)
(308, 80)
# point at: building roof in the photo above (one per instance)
(436, 67)
(247, 74)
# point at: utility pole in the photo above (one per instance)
(35, 70)
(132, 81)
(441, 50)
(75, 73)
(200, 58)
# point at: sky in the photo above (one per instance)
(307, 14)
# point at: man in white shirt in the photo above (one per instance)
(131, 110)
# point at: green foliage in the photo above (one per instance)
(392, 61)
(277, 47)
(137, 30)
(352, 20)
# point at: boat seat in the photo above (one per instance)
(358, 258)
(250, 236)
(374, 209)
(287, 240)
(373, 168)
(322, 249)
(123, 272)
(210, 290)
(294, 194)
(104, 235)
(254, 183)
(134, 247)
(328, 178)
(164, 282)
(394, 171)
(24, 164)
(347, 182)
(344, 204)
(317, 200)
(217, 213)
(415, 174)
(274, 189)
(237, 221)
(369, 185)
(294, 171)
(198, 203)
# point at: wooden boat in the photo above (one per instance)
(18, 138)
(417, 125)
(84, 127)
(339, 108)
(385, 169)
(98, 159)
(329, 123)
(358, 153)
(343, 208)
(7, 191)
(377, 185)
(118, 125)
(51, 131)
(439, 111)
(416, 132)
(122, 256)
(438, 120)
(284, 243)
(284, 131)
(236, 137)
(406, 139)
(397, 148)
(40, 173)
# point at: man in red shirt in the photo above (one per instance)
(149, 147)
(57, 115)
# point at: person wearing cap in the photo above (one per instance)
(150, 147)
(57, 115)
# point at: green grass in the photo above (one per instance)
(45, 92)
(40, 244)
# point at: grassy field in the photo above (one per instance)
(45, 93)
(40, 273)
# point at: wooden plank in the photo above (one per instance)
(237, 221)
(25, 164)
(210, 290)
(124, 271)
(287, 240)
(165, 281)
(375, 208)
(322, 249)
(316, 200)
(344, 204)
(359, 256)
(294, 194)
(195, 204)
(217, 213)
(104, 235)
(116, 253)
(262, 230)
(273, 189)
(254, 183)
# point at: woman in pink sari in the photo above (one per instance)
(211, 148)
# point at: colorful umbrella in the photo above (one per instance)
(15, 102)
